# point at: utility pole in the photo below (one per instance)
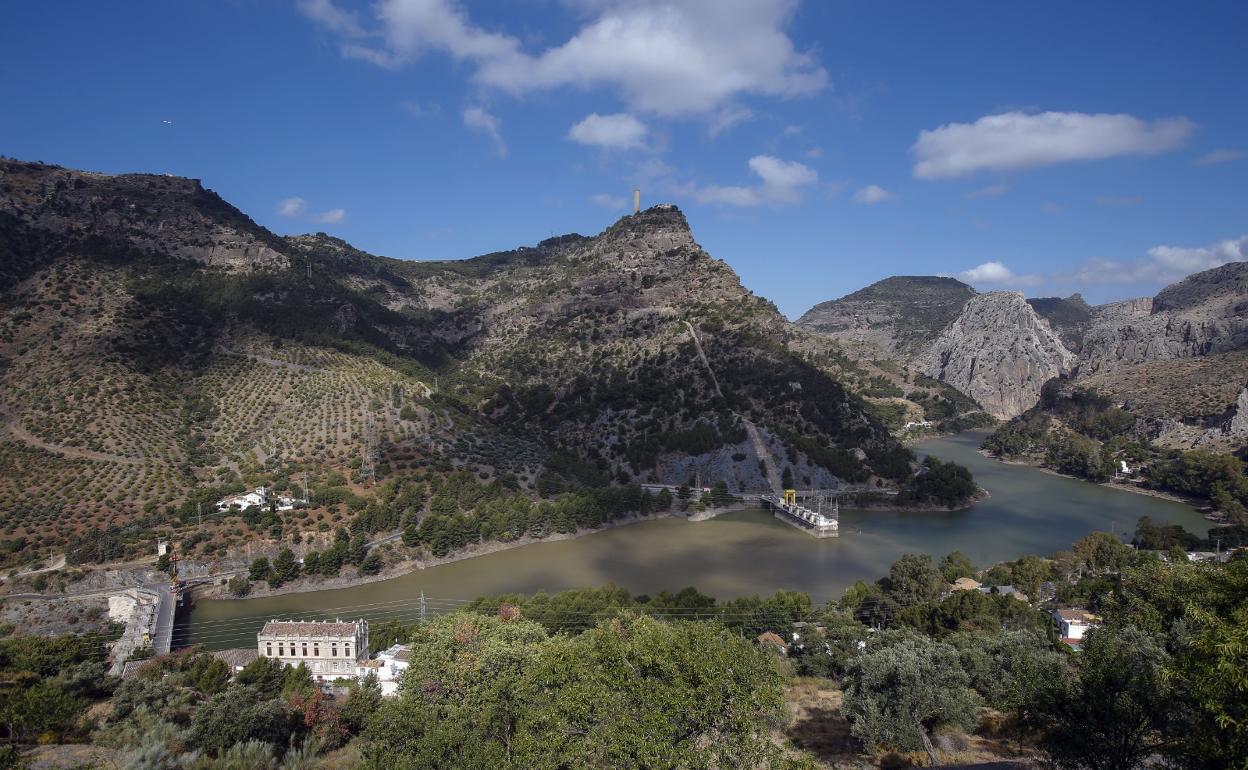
(306, 500)
(199, 508)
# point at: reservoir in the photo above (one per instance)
(741, 553)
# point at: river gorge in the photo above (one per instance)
(740, 553)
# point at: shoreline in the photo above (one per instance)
(218, 592)
(1199, 504)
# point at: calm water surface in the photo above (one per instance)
(741, 553)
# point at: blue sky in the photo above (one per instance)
(815, 147)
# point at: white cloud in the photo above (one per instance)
(781, 181)
(1015, 140)
(688, 58)
(607, 201)
(292, 207)
(297, 208)
(991, 191)
(996, 274)
(610, 132)
(1160, 264)
(328, 15)
(483, 122)
(1220, 156)
(728, 117)
(1052, 208)
(419, 109)
(872, 194)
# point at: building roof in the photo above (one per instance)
(133, 667)
(1074, 614)
(965, 584)
(236, 658)
(770, 637)
(310, 628)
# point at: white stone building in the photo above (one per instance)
(1073, 624)
(330, 649)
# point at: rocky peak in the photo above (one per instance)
(897, 317)
(1203, 314)
(999, 352)
(661, 228)
(142, 212)
(1199, 289)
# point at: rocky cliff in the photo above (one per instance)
(999, 352)
(897, 318)
(1204, 314)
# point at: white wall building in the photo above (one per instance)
(258, 497)
(389, 666)
(330, 649)
(1073, 624)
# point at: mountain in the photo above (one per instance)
(1070, 317)
(999, 352)
(896, 318)
(1205, 313)
(157, 345)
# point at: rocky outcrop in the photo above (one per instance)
(999, 352)
(1204, 314)
(897, 318)
(1070, 317)
(141, 213)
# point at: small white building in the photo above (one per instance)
(258, 497)
(1072, 624)
(388, 665)
(330, 649)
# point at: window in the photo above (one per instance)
(281, 651)
(333, 651)
(316, 650)
(346, 651)
(305, 649)
(268, 649)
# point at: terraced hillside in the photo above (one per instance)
(158, 347)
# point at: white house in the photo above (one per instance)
(388, 665)
(258, 497)
(1073, 624)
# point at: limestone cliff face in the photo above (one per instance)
(1204, 314)
(999, 352)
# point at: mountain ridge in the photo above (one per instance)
(161, 346)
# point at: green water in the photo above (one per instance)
(741, 553)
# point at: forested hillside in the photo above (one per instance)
(158, 349)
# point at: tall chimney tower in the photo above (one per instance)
(636, 201)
